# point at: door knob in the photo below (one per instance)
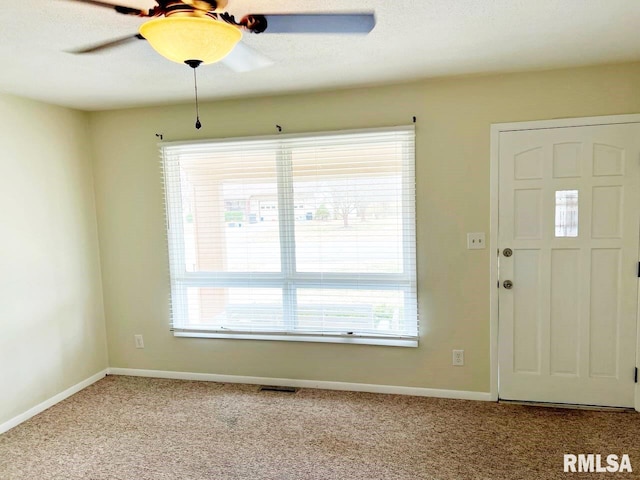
(508, 284)
(507, 252)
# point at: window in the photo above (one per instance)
(294, 237)
(567, 213)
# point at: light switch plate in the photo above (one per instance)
(476, 241)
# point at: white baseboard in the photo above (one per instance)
(41, 407)
(352, 387)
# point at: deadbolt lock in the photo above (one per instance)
(507, 252)
(508, 284)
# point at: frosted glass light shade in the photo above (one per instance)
(191, 38)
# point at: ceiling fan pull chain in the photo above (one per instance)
(195, 83)
(195, 64)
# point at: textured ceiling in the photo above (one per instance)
(412, 39)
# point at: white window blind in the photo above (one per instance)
(295, 237)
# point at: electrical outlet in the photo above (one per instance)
(458, 358)
(476, 241)
(139, 341)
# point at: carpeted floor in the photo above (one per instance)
(137, 429)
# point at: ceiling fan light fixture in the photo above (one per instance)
(181, 38)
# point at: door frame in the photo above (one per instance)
(496, 130)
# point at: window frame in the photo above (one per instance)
(289, 279)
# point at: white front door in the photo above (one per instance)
(569, 211)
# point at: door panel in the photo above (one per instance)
(568, 205)
(565, 307)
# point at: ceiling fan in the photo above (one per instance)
(197, 32)
(185, 23)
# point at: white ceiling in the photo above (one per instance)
(412, 39)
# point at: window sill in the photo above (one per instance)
(344, 339)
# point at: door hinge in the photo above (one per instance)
(635, 377)
(638, 269)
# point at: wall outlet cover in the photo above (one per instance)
(458, 358)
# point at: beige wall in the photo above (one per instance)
(51, 313)
(452, 156)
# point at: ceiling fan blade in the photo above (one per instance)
(109, 44)
(117, 8)
(243, 58)
(319, 22)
